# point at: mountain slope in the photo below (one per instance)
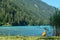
(36, 6)
(26, 12)
(39, 8)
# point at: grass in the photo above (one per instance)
(28, 38)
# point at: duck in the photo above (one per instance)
(44, 32)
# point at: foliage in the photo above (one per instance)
(22, 13)
(55, 19)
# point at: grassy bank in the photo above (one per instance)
(28, 38)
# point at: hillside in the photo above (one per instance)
(39, 8)
(25, 12)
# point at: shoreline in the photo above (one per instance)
(29, 38)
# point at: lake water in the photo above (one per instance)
(25, 30)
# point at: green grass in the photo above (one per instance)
(28, 38)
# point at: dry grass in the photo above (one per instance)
(28, 38)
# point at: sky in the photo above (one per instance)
(55, 3)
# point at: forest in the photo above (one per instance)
(13, 15)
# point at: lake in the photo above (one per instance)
(25, 30)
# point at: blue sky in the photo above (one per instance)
(55, 3)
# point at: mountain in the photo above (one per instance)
(39, 8)
(27, 12)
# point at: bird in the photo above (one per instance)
(44, 32)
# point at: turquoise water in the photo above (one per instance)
(26, 30)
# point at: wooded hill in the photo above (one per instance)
(25, 12)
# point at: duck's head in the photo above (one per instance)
(45, 29)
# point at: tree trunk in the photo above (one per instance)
(57, 31)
